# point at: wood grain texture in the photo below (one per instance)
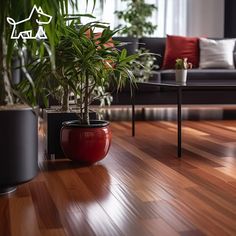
(5, 222)
(140, 189)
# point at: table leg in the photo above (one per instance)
(179, 121)
(133, 114)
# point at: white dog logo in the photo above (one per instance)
(36, 16)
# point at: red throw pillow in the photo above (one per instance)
(181, 47)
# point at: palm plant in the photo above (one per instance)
(86, 65)
(18, 125)
(9, 47)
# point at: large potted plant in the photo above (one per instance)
(18, 116)
(87, 63)
(56, 84)
(94, 64)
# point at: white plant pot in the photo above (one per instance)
(181, 76)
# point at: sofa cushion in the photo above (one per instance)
(202, 74)
(181, 47)
(216, 53)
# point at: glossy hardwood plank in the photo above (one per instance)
(53, 232)
(159, 227)
(23, 217)
(47, 212)
(94, 214)
(5, 222)
(71, 215)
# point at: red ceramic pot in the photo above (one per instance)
(86, 143)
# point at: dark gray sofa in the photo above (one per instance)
(152, 95)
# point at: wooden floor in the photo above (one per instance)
(141, 188)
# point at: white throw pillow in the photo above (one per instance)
(216, 53)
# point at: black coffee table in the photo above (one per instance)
(180, 88)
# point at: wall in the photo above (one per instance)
(205, 18)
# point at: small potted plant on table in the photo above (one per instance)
(181, 68)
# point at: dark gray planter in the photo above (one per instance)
(52, 124)
(19, 147)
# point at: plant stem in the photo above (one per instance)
(65, 99)
(6, 80)
(81, 99)
(27, 74)
(86, 101)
